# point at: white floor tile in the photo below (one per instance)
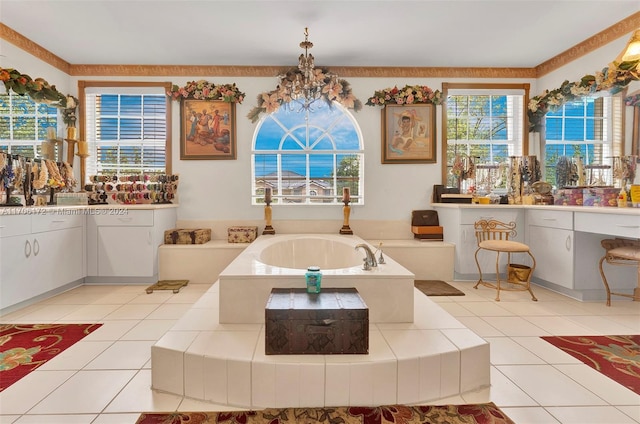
(606, 388)
(590, 415)
(77, 356)
(515, 326)
(138, 397)
(123, 355)
(132, 311)
(545, 350)
(111, 330)
(28, 391)
(505, 351)
(502, 391)
(529, 415)
(558, 326)
(548, 386)
(84, 393)
(116, 419)
(149, 329)
(57, 419)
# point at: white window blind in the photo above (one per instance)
(126, 128)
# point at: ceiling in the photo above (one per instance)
(418, 33)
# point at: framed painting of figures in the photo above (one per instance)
(208, 130)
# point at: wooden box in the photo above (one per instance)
(187, 236)
(334, 321)
(426, 226)
(240, 234)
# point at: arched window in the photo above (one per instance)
(307, 156)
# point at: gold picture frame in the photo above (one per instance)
(409, 133)
(207, 130)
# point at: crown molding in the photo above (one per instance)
(612, 33)
(606, 36)
(29, 46)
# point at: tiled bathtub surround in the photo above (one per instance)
(433, 357)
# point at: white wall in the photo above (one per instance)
(220, 189)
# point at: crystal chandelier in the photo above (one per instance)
(307, 84)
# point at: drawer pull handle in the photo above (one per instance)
(567, 243)
(36, 247)
(549, 219)
(628, 226)
(58, 221)
(125, 219)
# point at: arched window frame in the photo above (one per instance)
(293, 188)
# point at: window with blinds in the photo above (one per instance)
(581, 129)
(24, 123)
(484, 123)
(126, 128)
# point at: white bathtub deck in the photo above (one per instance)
(432, 358)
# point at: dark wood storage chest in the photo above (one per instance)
(334, 321)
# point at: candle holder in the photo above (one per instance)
(268, 229)
(83, 154)
(71, 150)
(346, 211)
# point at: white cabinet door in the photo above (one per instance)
(125, 251)
(553, 249)
(16, 256)
(58, 256)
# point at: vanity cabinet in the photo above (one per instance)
(550, 237)
(122, 244)
(39, 254)
(458, 227)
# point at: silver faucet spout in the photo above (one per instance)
(370, 259)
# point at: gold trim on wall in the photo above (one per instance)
(29, 46)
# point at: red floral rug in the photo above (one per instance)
(484, 413)
(617, 357)
(25, 347)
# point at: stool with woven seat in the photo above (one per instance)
(493, 236)
(621, 251)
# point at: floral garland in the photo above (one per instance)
(204, 90)
(410, 94)
(612, 78)
(340, 92)
(632, 100)
(38, 89)
(69, 111)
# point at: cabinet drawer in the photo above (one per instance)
(470, 216)
(55, 221)
(551, 219)
(608, 224)
(14, 225)
(123, 217)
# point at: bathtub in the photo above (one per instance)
(281, 261)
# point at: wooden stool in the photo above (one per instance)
(625, 252)
(494, 236)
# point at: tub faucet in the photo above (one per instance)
(370, 260)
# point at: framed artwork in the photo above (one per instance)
(208, 129)
(409, 133)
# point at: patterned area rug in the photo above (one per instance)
(25, 347)
(437, 288)
(486, 413)
(617, 357)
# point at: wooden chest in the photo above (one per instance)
(187, 236)
(334, 321)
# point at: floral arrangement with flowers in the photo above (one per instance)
(612, 78)
(38, 89)
(410, 94)
(328, 88)
(204, 90)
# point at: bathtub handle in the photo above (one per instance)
(321, 327)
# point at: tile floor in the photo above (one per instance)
(105, 378)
